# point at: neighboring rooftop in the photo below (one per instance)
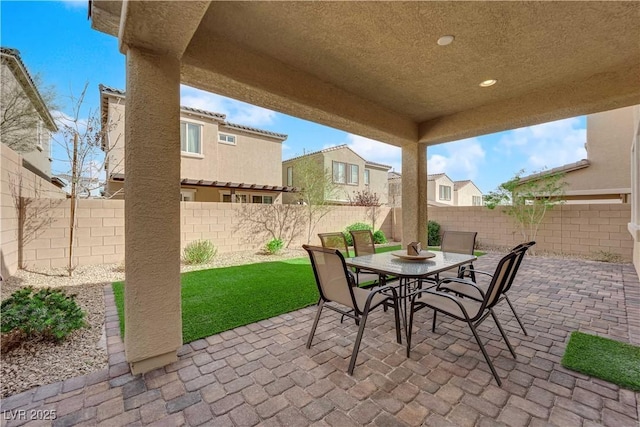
(106, 90)
(335, 148)
(12, 58)
(581, 164)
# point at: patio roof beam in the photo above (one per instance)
(600, 92)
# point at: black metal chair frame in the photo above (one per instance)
(358, 314)
(521, 250)
(485, 310)
(461, 269)
(338, 235)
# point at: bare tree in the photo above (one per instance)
(80, 139)
(19, 119)
(316, 189)
(371, 201)
(272, 221)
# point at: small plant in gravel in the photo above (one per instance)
(47, 313)
(607, 256)
(274, 246)
(199, 252)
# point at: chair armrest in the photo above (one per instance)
(461, 281)
(439, 294)
(469, 270)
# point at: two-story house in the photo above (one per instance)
(466, 193)
(441, 191)
(605, 175)
(349, 172)
(27, 124)
(220, 162)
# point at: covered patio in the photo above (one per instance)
(380, 70)
(263, 374)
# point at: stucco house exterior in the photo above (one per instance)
(605, 175)
(466, 193)
(441, 191)
(27, 123)
(220, 161)
(350, 173)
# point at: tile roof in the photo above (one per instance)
(580, 164)
(435, 176)
(21, 73)
(255, 130)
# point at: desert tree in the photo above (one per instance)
(528, 200)
(271, 221)
(80, 142)
(315, 189)
(370, 200)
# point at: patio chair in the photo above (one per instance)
(336, 285)
(469, 310)
(477, 292)
(363, 244)
(338, 241)
(460, 242)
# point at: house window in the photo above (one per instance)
(353, 174)
(190, 138)
(339, 173)
(366, 177)
(226, 198)
(445, 192)
(187, 195)
(476, 200)
(290, 176)
(241, 198)
(225, 138)
(267, 200)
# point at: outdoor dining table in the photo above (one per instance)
(410, 272)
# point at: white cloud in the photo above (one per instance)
(462, 159)
(75, 4)
(236, 111)
(375, 151)
(549, 144)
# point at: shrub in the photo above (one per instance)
(274, 246)
(47, 313)
(354, 227)
(199, 252)
(433, 232)
(379, 237)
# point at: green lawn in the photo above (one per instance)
(220, 299)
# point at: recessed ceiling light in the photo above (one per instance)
(445, 40)
(488, 83)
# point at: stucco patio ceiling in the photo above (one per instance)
(375, 69)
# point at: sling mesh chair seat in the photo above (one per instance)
(477, 292)
(469, 310)
(363, 244)
(338, 241)
(336, 285)
(459, 242)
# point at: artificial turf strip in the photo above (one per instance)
(220, 299)
(613, 361)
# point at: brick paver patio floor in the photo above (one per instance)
(262, 374)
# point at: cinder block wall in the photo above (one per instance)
(567, 229)
(99, 236)
(16, 182)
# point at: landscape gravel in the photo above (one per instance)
(37, 362)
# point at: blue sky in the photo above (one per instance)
(55, 40)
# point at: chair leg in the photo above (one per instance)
(315, 323)
(495, 319)
(433, 325)
(516, 315)
(356, 345)
(484, 353)
(398, 328)
(409, 329)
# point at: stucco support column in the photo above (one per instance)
(414, 194)
(153, 321)
(634, 224)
